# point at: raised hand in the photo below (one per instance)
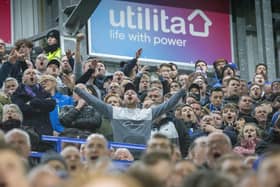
(138, 53)
(69, 53)
(80, 37)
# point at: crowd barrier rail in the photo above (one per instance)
(59, 140)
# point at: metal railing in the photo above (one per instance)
(59, 140)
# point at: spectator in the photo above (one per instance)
(160, 165)
(218, 67)
(41, 63)
(53, 50)
(245, 106)
(260, 113)
(20, 140)
(72, 157)
(248, 140)
(35, 103)
(19, 60)
(48, 82)
(218, 145)
(216, 98)
(96, 147)
(123, 154)
(269, 168)
(159, 143)
(261, 69)
(2, 52)
(43, 176)
(233, 166)
(12, 168)
(256, 93)
(232, 91)
(121, 117)
(197, 151)
(208, 178)
(82, 116)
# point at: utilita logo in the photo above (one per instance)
(147, 19)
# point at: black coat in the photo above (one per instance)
(85, 119)
(35, 108)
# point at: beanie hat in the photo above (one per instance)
(51, 155)
(54, 34)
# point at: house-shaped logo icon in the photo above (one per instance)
(207, 23)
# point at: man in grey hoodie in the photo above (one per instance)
(130, 124)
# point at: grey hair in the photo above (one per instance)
(18, 131)
(97, 135)
(222, 134)
(14, 106)
(8, 79)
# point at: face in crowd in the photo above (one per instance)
(41, 62)
(12, 169)
(216, 98)
(218, 144)
(130, 98)
(229, 115)
(198, 154)
(233, 87)
(159, 144)
(29, 77)
(188, 114)
(249, 132)
(269, 171)
(73, 159)
(95, 147)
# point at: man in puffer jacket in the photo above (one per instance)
(81, 116)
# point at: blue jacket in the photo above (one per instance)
(61, 100)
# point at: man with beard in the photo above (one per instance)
(218, 144)
(131, 124)
(218, 66)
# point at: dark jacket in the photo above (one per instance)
(12, 70)
(35, 106)
(184, 138)
(85, 119)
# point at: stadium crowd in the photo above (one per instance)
(199, 130)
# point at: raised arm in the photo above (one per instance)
(99, 105)
(168, 105)
(78, 63)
